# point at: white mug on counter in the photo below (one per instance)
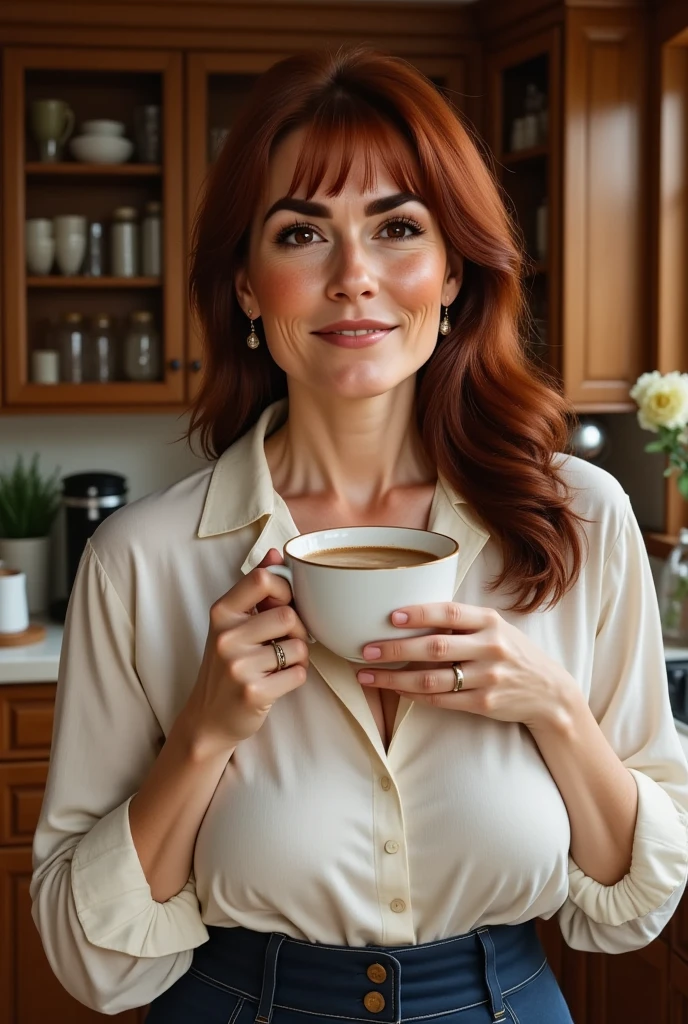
(14, 607)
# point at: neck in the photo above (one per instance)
(348, 453)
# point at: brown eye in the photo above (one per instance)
(396, 230)
(302, 236)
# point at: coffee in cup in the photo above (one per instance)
(370, 557)
(347, 582)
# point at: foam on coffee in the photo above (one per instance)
(372, 557)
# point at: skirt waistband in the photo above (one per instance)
(374, 983)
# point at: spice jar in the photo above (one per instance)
(71, 341)
(142, 357)
(125, 242)
(99, 363)
(151, 240)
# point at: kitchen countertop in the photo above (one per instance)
(37, 663)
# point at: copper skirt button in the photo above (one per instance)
(377, 973)
(374, 1001)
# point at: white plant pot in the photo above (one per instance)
(30, 555)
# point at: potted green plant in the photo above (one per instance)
(29, 503)
(662, 401)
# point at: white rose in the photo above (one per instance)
(662, 400)
(643, 382)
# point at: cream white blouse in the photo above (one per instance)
(314, 830)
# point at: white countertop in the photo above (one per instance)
(34, 663)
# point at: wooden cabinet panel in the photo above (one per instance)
(26, 721)
(21, 796)
(605, 314)
(29, 991)
(629, 988)
(678, 995)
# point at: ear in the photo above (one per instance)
(244, 293)
(453, 278)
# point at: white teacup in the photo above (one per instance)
(346, 608)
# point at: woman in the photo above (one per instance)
(233, 840)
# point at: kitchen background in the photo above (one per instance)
(583, 105)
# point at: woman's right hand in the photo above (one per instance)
(238, 681)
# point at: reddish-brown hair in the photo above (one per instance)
(489, 420)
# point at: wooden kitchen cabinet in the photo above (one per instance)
(96, 83)
(29, 991)
(588, 293)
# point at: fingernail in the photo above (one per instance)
(366, 677)
(399, 617)
(372, 652)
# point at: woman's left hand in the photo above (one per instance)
(506, 675)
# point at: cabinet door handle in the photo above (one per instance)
(175, 364)
(196, 365)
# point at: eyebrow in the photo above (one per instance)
(310, 209)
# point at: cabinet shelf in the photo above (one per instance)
(521, 156)
(68, 169)
(93, 282)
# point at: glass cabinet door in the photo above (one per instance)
(93, 236)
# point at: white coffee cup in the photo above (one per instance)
(70, 242)
(347, 608)
(14, 608)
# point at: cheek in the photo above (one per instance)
(285, 287)
(416, 279)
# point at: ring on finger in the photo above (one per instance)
(281, 657)
(458, 677)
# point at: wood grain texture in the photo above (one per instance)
(605, 269)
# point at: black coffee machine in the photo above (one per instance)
(88, 498)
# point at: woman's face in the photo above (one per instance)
(374, 262)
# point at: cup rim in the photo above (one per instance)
(373, 568)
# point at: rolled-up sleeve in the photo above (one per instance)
(109, 943)
(629, 698)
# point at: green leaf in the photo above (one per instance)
(29, 502)
(655, 446)
(682, 482)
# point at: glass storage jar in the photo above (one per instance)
(142, 356)
(673, 593)
(71, 344)
(124, 242)
(100, 361)
(151, 240)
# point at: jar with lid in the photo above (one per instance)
(99, 363)
(673, 592)
(142, 356)
(124, 241)
(71, 344)
(151, 240)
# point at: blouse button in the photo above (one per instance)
(386, 782)
(377, 973)
(398, 906)
(392, 846)
(374, 1001)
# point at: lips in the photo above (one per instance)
(355, 333)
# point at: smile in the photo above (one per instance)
(355, 339)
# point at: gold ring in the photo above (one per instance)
(458, 676)
(281, 659)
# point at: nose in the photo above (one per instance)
(352, 275)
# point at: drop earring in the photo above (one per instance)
(253, 341)
(445, 326)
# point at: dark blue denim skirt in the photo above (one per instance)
(244, 977)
